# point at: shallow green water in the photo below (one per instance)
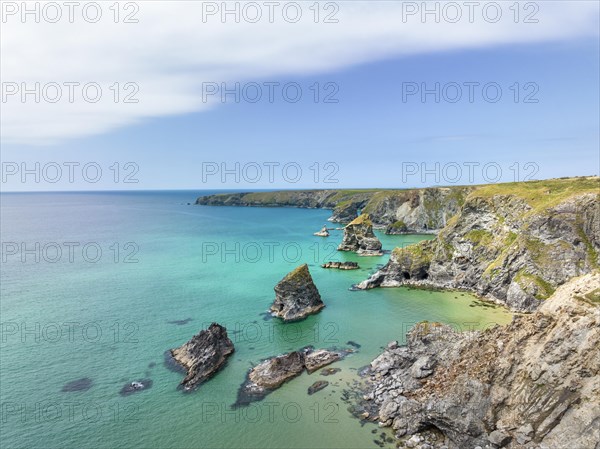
(121, 322)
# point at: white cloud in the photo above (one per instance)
(171, 51)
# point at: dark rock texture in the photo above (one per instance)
(359, 237)
(82, 384)
(533, 383)
(296, 296)
(204, 355)
(317, 386)
(341, 265)
(273, 372)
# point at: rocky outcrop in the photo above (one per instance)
(512, 243)
(317, 386)
(296, 296)
(273, 372)
(322, 233)
(341, 265)
(359, 237)
(421, 210)
(397, 228)
(204, 355)
(533, 383)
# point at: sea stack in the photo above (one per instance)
(296, 296)
(323, 232)
(203, 355)
(359, 237)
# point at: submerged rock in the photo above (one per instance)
(359, 237)
(323, 232)
(330, 371)
(271, 373)
(82, 384)
(341, 265)
(203, 355)
(317, 386)
(296, 296)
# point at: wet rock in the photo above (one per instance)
(135, 386)
(180, 322)
(271, 373)
(317, 386)
(341, 265)
(330, 371)
(204, 355)
(82, 384)
(296, 296)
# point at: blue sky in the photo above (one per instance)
(374, 138)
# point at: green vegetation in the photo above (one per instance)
(479, 236)
(399, 225)
(527, 281)
(592, 297)
(541, 195)
(362, 219)
(592, 254)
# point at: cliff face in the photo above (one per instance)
(419, 210)
(533, 383)
(513, 243)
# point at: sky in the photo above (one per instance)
(309, 95)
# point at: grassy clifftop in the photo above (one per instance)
(512, 242)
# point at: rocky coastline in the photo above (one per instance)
(512, 244)
(421, 210)
(534, 383)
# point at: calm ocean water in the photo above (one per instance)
(100, 285)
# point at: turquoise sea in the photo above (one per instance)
(99, 285)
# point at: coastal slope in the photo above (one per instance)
(411, 210)
(514, 243)
(533, 383)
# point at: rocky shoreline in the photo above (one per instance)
(533, 383)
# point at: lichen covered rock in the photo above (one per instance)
(359, 237)
(296, 296)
